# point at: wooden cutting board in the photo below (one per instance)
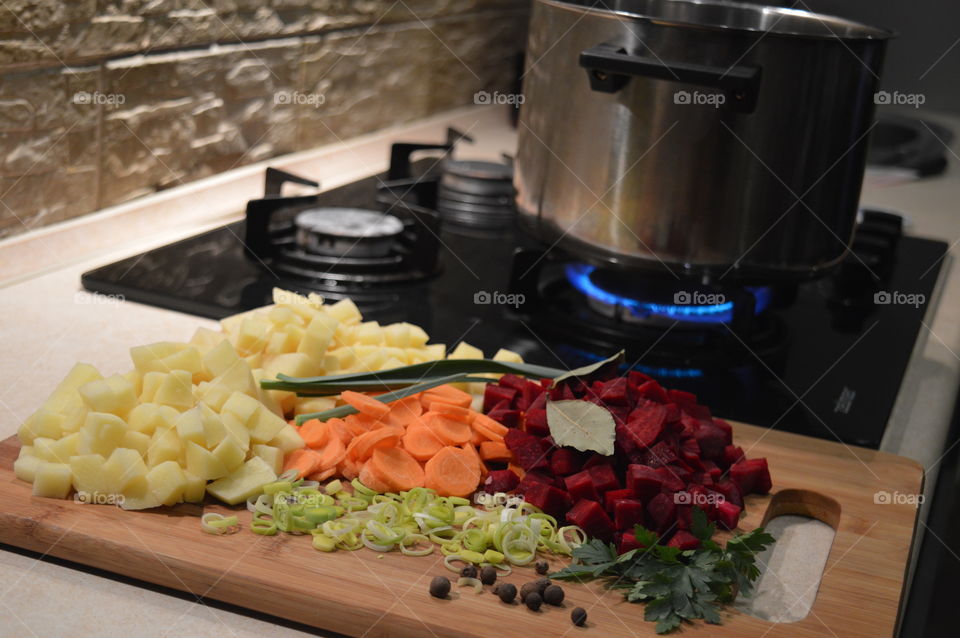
(362, 593)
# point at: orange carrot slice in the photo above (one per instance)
(446, 394)
(421, 442)
(472, 451)
(516, 469)
(323, 475)
(456, 412)
(332, 453)
(305, 461)
(363, 446)
(452, 472)
(480, 427)
(364, 404)
(364, 421)
(490, 424)
(494, 451)
(314, 433)
(339, 430)
(349, 469)
(448, 430)
(396, 468)
(368, 478)
(403, 411)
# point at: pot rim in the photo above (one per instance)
(830, 27)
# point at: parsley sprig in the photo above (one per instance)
(676, 585)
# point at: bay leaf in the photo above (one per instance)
(588, 369)
(582, 425)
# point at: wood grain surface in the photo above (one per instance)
(364, 594)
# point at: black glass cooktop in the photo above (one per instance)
(824, 358)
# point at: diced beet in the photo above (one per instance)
(539, 403)
(645, 424)
(580, 486)
(731, 493)
(534, 477)
(690, 453)
(509, 418)
(494, 394)
(752, 476)
(627, 513)
(619, 412)
(548, 498)
(644, 481)
(659, 455)
(535, 422)
(728, 514)
(684, 540)
(515, 438)
(670, 479)
(616, 392)
(705, 479)
(623, 443)
(591, 518)
(604, 478)
(564, 461)
(627, 542)
(673, 412)
(699, 496)
(732, 454)
(682, 397)
(597, 459)
(697, 411)
(501, 481)
(653, 391)
(547, 445)
(684, 516)
(662, 512)
(689, 425)
(637, 379)
(712, 440)
(727, 429)
(512, 381)
(530, 456)
(530, 393)
(566, 392)
(616, 495)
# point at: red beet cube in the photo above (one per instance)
(615, 495)
(644, 481)
(627, 513)
(494, 394)
(501, 481)
(645, 424)
(548, 498)
(660, 454)
(684, 540)
(662, 512)
(597, 459)
(637, 379)
(580, 486)
(627, 542)
(591, 518)
(623, 443)
(671, 478)
(509, 418)
(539, 403)
(726, 427)
(530, 393)
(731, 493)
(615, 392)
(728, 514)
(732, 454)
(673, 412)
(533, 477)
(516, 438)
(682, 397)
(653, 391)
(512, 381)
(564, 461)
(530, 456)
(752, 476)
(684, 516)
(535, 422)
(711, 439)
(604, 478)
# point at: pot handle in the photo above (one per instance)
(609, 67)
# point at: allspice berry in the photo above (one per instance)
(507, 592)
(533, 601)
(553, 595)
(470, 571)
(488, 575)
(541, 567)
(578, 616)
(440, 587)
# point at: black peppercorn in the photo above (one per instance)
(507, 592)
(541, 567)
(470, 571)
(528, 588)
(553, 595)
(578, 616)
(541, 584)
(488, 575)
(533, 601)
(440, 587)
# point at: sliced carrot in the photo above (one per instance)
(365, 421)
(395, 467)
(404, 411)
(349, 469)
(494, 451)
(305, 461)
(368, 478)
(476, 438)
(421, 442)
(470, 449)
(490, 424)
(364, 404)
(356, 426)
(332, 453)
(363, 446)
(446, 394)
(452, 472)
(457, 412)
(447, 430)
(480, 427)
(516, 469)
(339, 429)
(314, 433)
(323, 475)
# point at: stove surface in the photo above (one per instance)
(817, 363)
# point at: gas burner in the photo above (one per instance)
(346, 232)
(476, 193)
(654, 301)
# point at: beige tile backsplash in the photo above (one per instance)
(101, 102)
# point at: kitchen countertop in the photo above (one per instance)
(49, 324)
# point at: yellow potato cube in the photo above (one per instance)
(345, 311)
(122, 468)
(239, 378)
(89, 477)
(138, 441)
(52, 480)
(164, 446)
(187, 359)
(220, 358)
(138, 496)
(145, 357)
(204, 339)
(167, 482)
(190, 427)
(397, 335)
(272, 456)
(202, 463)
(236, 430)
(212, 395)
(508, 356)
(265, 425)
(114, 395)
(213, 429)
(309, 405)
(287, 440)
(418, 338)
(244, 482)
(45, 423)
(370, 333)
(465, 351)
(229, 453)
(317, 337)
(66, 396)
(149, 386)
(282, 315)
(101, 434)
(254, 361)
(253, 336)
(150, 417)
(195, 488)
(435, 351)
(281, 342)
(176, 390)
(25, 467)
(242, 406)
(58, 451)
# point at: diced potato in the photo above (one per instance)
(114, 395)
(242, 406)
(58, 451)
(122, 468)
(253, 336)
(150, 417)
(436, 351)
(88, 476)
(465, 351)
(282, 342)
(244, 482)
(345, 311)
(202, 463)
(265, 425)
(167, 482)
(254, 360)
(26, 465)
(229, 453)
(287, 439)
(236, 429)
(101, 434)
(272, 456)
(190, 427)
(282, 315)
(508, 356)
(418, 338)
(308, 405)
(135, 379)
(220, 358)
(44, 423)
(52, 480)
(205, 339)
(138, 496)
(397, 335)
(65, 396)
(213, 428)
(317, 337)
(187, 359)
(238, 378)
(164, 446)
(345, 335)
(150, 385)
(345, 357)
(212, 395)
(195, 488)
(370, 333)
(138, 441)
(145, 357)
(74, 417)
(176, 390)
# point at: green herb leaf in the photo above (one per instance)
(588, 370)
(583, 425)
(702, 528)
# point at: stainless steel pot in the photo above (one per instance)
(712, 138)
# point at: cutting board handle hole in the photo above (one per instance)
(804, 524)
